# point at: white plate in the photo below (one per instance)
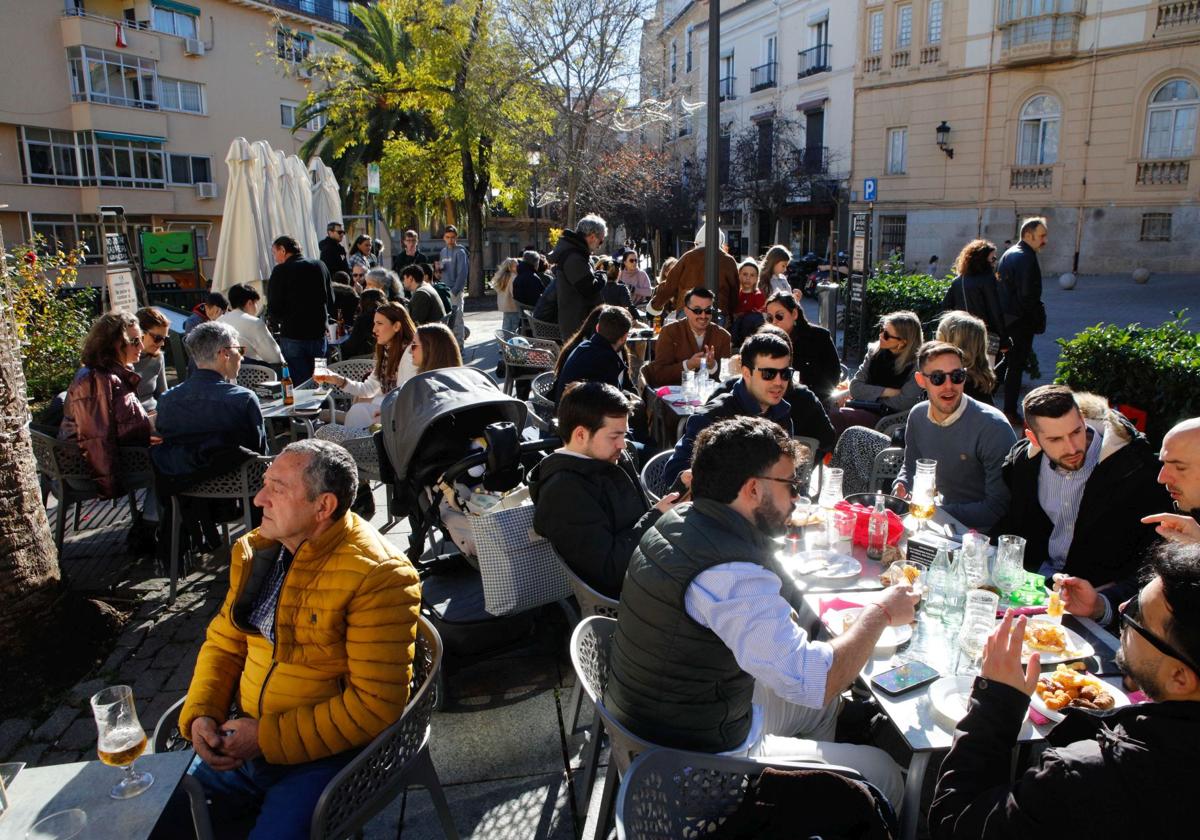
(822, 564)
(838, 621)
(1119, 699)
(1077, 648)
(949, 696)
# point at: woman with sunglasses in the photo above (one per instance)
(632, 276)
(885, 378)
(151, 367)
(814, 355)
(102, 411)
(970, 335)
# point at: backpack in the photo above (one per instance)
(444, 293)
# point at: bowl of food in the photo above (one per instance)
(895, 504)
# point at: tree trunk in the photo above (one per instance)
(476, 183)
(29, 573)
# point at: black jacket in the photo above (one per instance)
(402, 260)
(1109, 542)
(593, 512)
(593, 360)
(814, 355)
(978, 294)
(809, 418)
(333, 254)
(578, 287)
(527, 285)
(547, 305)
(1020, 286)
(362, 338)
(345, 303)
(300, 298)
(1128, 773)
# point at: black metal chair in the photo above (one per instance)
(653, 475)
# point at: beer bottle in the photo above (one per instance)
(285, 382)
(657, 324)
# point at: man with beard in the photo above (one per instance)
(1128, 772)
(1079, 491)
(709, 653)
(968, 439)
(1180, 475)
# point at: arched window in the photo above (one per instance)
(1171, 120)
(1037, 142)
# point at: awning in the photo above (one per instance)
(182, 8)
(140, 138)
(816, 103)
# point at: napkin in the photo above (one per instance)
(1136, 697)
(1019, 611)
(863, 520)
(1037, 717)
(663, 391)
(835, 603)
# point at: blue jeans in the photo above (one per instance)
(299, 354)
(283, 796)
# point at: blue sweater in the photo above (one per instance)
(970, 454)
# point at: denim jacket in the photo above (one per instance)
(202, 415)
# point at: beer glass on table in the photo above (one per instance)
(924, 492)
(122, 738)
(321, 373)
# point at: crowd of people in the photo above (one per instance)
(314, 641)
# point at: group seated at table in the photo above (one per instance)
(969, 440)
(314, 644)
(589, 501)
(596, 352)
(815, 357)
(708, 653)
(689, 342)
(884, 382)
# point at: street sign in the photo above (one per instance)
(870, 189)
(122, 294)
(373, 178)
(116, 248)
(858, 242)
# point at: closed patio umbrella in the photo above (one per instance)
(243, 251)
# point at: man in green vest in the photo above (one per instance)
(709, 654)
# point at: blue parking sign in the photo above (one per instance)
(870, 189)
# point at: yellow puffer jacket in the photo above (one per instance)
(346, 626)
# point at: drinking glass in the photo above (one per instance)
(122, 738)
(1009, 572)
(60, 826)
(795, 532)
(924, 491)
(841, 526)
(831, 487)
(320, 369)
(972, 637)
(983, 603)
(974, 557)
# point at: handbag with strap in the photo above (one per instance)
(993, 341)
(519, 568)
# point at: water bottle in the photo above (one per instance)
(831, 488)
(936, 582)
(702, 379)
(877, 531)
(955, 599)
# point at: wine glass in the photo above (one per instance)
(122, 738)
(924, 492)
(320, 369)
(972, 637)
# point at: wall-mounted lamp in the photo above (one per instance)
(943, 139)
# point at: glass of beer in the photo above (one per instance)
(122, 738)
(321, 373)
(924, 492)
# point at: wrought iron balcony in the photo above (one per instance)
(814, 60)
(327, 10)
(814, 160)
(763, 76)
(725, 88)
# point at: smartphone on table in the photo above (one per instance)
(904, 678)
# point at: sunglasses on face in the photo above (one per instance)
(157, 339)
(938, 377)
(780, 316)
(695, 310)
(1130, 611)
(135, 341)
(769, 374)
(240, 349)
(887, 336)
(794, 487)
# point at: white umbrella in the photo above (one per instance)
(274, 210)
(241, 256)
(326, 200)
(302, 199)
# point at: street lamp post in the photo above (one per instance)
(535, 158)
(712, 239)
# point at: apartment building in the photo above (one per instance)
(135, 102)
(973, 114)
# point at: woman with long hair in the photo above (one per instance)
(773, 272)
(975, 290)
(813, 353)
(970, 335)
(435, 348)
(102, 411)
(885, 377)
(502, 282)
(634, 278)
(361, 253)
(394, 331)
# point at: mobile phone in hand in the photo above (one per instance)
(904, 678)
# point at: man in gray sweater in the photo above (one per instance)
(968, 439)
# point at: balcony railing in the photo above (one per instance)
(900, 59)
(725, 88)
(931, 55)
(763, 76)
(814, 60)
(871, 64)
(1163, 173)
(1031, 178)
(814, 160)
(1174, 15)
(334, 11)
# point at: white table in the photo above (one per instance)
(307, 403)
(39, 792)
(912, 714)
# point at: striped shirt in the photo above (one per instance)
(262, 614)
(742, 604)
(1059, 494)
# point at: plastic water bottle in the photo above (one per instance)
(935, 589)
(955, 599)
(877, 531)
(702, 383)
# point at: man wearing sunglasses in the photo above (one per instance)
(968, 439)
(688, 343)
(1128, 772)
(331, 249)
(710, 651)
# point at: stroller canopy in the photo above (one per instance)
(409, 411)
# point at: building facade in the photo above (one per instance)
(134, 103)
(974, 114)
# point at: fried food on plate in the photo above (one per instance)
(1068, 686)
(1045, 637)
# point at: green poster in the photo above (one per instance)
(169, 251)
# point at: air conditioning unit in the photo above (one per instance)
(206, 189)
(193, 46)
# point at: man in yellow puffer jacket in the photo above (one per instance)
(314, 641)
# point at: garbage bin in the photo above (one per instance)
(827, 301)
